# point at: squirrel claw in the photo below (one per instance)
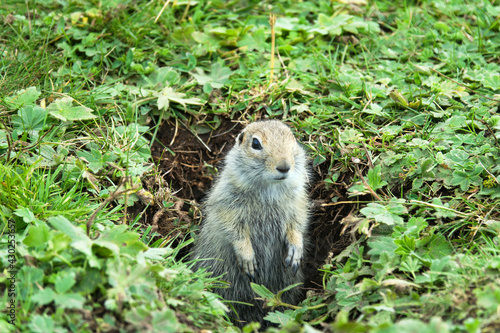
(293, 259)
(250, 268)
(295, 268)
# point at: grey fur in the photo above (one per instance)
(256, 216)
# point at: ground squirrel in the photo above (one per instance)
(256, 216)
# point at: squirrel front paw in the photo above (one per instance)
(293, 258)
(249, 267)
(246, 257)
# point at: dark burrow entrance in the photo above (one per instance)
(186, 167)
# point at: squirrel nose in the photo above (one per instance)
(283, 168)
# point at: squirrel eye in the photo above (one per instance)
(256, 144)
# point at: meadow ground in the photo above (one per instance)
(114, 116)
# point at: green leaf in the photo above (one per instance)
(350, 135)
(439, 265)
(256, 40)
(492, 81)
(133, 248)
(163, 77)
(41, 324)
(44, 297)
(442, 213)
(105, 249)
(65, 226)
(488, 297)
(69, 301)
(436, 325)
(64, 110)
(80, 241)
(89, 280)
(23, 97)
(375, 178)
(168, 95)
(278, 317)
(331, 25)
(208, 40)
(64, 281)
(37, 235)
(466, 178)
(158, 253)
(26, 214)
(367, 284)
(380, 244)
(410, 264)
(95, 159)
(398, 97)
(4, 142)
(261, 290)
(406, 245)
(434, 246)
(31, 119)
(217, 78)
(388, 214)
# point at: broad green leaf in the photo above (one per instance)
(37, 235)
(208, 40)
(255, 41)
(488, 297)
(4, 142)
(165, 321)
(158, 253)
(380, 244)
(26, 214)
(465, 179)
(436, 325)
(96, 160)
(105, 249)
(217, 78)
(168, 95)
(439, 265)
(133, 248)
(30, 118)
(410, 264)
(388, 214)
(23, 97)
(89, 280)
(332, 25)
(69, 301)
(350, 135)
(64, 225)
(492, 81)
(163, 77)
(64, 110)
(434, 246)
(44, 297)
(261, 290)
(64, 281)
(406, 245)
(278, 317)
(440, 212)
(41, 324)
(367, 284)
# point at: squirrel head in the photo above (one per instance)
(267, 152)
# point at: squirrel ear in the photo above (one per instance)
(239, 138)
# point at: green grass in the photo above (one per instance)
(402, 98)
